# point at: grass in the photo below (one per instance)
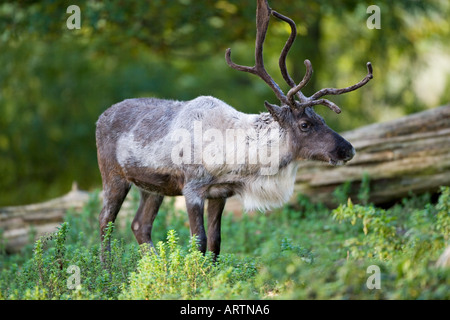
(301, 251)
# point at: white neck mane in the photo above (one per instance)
(269, 191)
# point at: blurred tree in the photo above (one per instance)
(55, 82)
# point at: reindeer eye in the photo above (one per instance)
(304, 126)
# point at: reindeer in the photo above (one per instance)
(154, 144)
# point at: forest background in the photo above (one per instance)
(55, 82)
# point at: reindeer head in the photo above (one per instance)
(310, 137)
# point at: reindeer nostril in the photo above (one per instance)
(349, 154)
(352, 153)
(345, 153)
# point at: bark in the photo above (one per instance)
(20, 223)
(444, 259)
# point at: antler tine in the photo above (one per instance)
(284, 53)
(334, 91)
(237, 66)
(286, 48)
(296, 89)
(262, 23)
(263, 12)
(314, 99)
(323, 102)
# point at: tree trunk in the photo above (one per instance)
(410, 154)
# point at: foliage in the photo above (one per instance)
(302, 251)
(172, 272)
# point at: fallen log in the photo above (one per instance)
(403, 156)
(19, 223)
(444, 259)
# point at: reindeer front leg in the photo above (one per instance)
(195, 204)
(215, 209)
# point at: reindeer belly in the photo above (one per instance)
(162, 183)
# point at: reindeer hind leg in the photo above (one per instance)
(114, 192)
(143, 221)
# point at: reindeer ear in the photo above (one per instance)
(277, 112)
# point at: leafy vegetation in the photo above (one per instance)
(302, 251)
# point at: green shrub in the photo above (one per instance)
(171, 272)
(301, 251)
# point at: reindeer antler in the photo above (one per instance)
(312, 101)
(263, 13)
